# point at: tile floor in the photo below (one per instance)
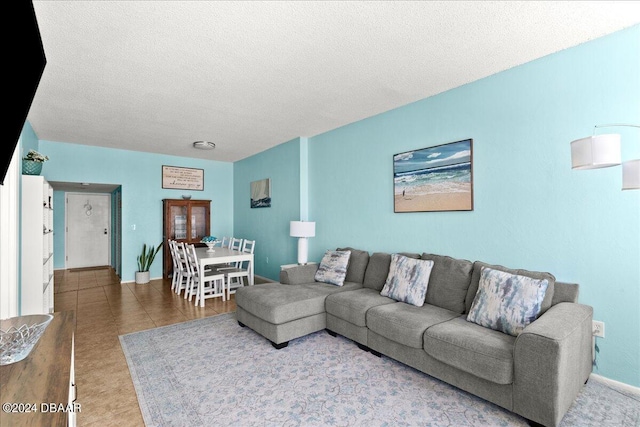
(105, 308)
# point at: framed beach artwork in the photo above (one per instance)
(261, 193)
(433, 179)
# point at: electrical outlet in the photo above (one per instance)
(598, 329)
(267, 260)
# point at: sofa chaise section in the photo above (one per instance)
(295, 307)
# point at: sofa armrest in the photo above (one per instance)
(552, 361)
(299, 274)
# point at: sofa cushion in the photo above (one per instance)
(277, 303)
(480, 351)
(298, 274)
(327, 289)
(352, 306)
(377, 271)
(449, 282)
(410, 255)
(408, 280)
(506, 302)
(333, 267)
(357, 264)
(475, 281)
(405, 323)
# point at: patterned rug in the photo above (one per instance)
(213, 372)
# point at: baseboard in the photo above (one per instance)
(616, 384)
(265, 279)
(261, 278)
(134, 281)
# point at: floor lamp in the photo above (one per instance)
(303, 230)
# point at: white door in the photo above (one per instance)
(88, 229)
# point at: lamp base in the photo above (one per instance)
(303, 249)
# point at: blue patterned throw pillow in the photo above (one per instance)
(408, 280)
(507, 302)
(333, 267)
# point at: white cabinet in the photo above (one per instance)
(73, 393)
(37, 246)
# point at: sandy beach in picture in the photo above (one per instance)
(423, 200)
(437, 178)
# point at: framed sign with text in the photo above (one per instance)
(178, 178)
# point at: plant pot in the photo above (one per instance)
(29, 167)
(142, 277)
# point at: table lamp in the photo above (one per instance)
(302, 230)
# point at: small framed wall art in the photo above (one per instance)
(261, 193)
(433, 179)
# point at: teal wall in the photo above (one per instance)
(139, 174)
(29, 140)
(59, 225)
(531, 210)
(269, 227)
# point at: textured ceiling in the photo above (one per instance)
(156, 76)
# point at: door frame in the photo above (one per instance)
(66, 222)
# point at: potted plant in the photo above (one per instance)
(145, 259)
(32, 163)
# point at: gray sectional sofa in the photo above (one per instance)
(537, 374)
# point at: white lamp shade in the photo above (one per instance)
(597, 151)
(631, 175)
(302, 229)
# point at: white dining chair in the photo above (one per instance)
(234, 277)
(224, 242)
(175, 262)
(209, 285)
(235, 244)
(184, 274)
(192, 267)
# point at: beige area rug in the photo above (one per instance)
(212, 372)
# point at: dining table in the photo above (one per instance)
(221, 256)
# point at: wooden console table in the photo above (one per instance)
(44, 380)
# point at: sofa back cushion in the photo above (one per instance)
(358, 262)
(475, 281)
(377, 271)
(565, 292)
(410, 255)
(449, 282)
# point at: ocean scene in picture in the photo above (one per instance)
(261, 193)
(434, 179)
